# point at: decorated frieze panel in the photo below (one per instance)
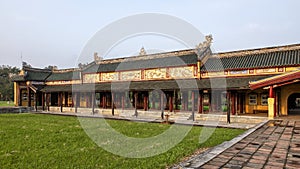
(63, 82)
(37, 83)
(181, 72)
(238, 72)
(265, 71)
(221, 73)
(130, 75)
(91, 78)
(290, 69)
(111, 76)
(155, 73)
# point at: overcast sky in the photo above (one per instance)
(54, 32)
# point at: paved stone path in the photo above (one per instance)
(274, 145)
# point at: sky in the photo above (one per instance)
(55, 32)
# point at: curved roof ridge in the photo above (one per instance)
(66, 70)
(263, 50)
(150, 56)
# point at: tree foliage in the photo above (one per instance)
(6, 84)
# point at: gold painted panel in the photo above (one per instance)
(65, 82)
(262, 71)
(238, 72)
(155, 73)
(91, 78)
(290, 69)
(112, 76)
(215, 73)
(181, 72)
(131, 75)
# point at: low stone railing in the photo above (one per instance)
(15, 109)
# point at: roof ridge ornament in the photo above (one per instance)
(97, 58)
(202, 47)
(142, 51)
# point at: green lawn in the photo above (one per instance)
(6, 103)
(48, 141)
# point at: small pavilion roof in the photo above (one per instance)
(276, 81)
(64, 75)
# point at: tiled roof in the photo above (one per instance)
(258, 58)
(68, 75)
(143, 63)
(57, 88)
(18, 78)
(33, 74)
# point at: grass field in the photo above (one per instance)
(48, 141)
(5, 103)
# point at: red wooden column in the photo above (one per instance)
(43, 101)
(275, 104)
(171, 103)
(123, 101)
(153, 102)
(162, 107)
(104, 101)
(28, 97)
(233, 110)
(20, 98)
(193, 105)
(145, 102)
(48, 101)
(200, 103)
(35, 103)
(93, 102)
(228, 98)
(60, 96)
(87, 100)
(271, 93)
(75, 101)
(112, 103)
(135, 104)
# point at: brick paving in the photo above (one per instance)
(274, 145)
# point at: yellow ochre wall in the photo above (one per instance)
(258, 106)
(286, 91)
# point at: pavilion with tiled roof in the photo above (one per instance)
(191, 81)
